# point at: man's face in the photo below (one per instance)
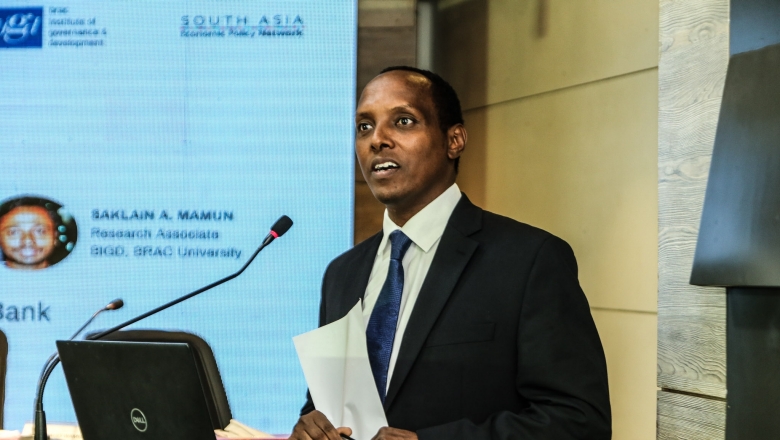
(27, 237)
(401, 149)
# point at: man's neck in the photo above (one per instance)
(401, 216)
(401, 213)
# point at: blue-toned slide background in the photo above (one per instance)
(152, 120)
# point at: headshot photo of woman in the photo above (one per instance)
(35, 233)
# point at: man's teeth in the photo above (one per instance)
(385, 166)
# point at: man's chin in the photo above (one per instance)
(26, 263)
(386, 198)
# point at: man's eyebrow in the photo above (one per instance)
(398, 108)
(403, 108)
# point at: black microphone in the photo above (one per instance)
(277, 230)
(113, 305)
(48, 367)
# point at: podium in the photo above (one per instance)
(739, 239)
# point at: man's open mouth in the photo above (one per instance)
(384, 166)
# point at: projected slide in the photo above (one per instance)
(147, 147)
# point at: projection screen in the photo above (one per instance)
(147, 147)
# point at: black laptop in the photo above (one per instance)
(135, 390)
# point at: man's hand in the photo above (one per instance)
(315, 426)
(387, 433)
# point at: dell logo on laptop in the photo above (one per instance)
(139, 420)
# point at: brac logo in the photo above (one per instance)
(21, 27)
(139, 420)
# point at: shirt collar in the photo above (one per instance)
(427, 226)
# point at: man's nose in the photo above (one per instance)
(28, 238)
(380, 138)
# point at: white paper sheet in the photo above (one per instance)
(335, 363)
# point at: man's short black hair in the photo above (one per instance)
(33, 202)
(445, 100)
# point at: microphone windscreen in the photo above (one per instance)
(282, 225)
(115, 304)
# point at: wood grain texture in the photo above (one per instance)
(691, 320)
(685, 417)
(381, 18)
(380, 47)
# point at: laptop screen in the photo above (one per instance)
(135, 390)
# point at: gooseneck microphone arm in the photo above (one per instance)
(48, 367)
(113, 305)
(277, 230)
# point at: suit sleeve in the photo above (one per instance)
(561, 369)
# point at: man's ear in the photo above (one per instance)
(456, 141)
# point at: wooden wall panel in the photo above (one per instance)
(386, 13)
(685, 417)
(629, 340)
(691, 320)
(473, 162)
(380, 47)
(368, 213)
(507, 55)
(460, 54)
(581, 163)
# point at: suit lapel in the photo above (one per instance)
(360, 264)
(454, 252)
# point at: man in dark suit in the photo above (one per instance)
(489, 335)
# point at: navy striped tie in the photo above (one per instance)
(380, 332)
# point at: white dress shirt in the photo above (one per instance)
(425, 230)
